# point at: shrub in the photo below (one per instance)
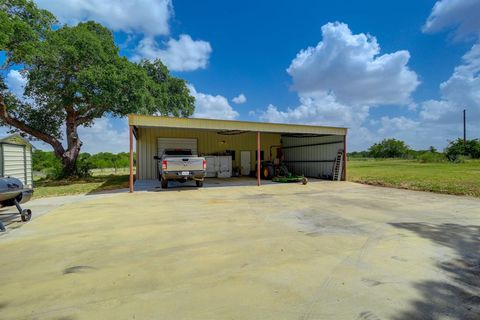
(429, 157)
(458, 148)
(389, 148)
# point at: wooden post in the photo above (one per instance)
(131, 158)
(345, 157)
(258, 158)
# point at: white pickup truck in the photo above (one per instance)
(180, 165)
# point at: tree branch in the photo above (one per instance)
(57, 146)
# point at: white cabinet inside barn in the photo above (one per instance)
(16, 159)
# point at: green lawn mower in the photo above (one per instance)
(279, 173)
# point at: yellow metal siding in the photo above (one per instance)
(211, 124)
(208, 142)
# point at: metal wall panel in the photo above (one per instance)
(14, 162)
(28, 169)
(209, 142)
(302, 160)
(174, 143)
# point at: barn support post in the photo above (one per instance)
(258, 158)
(344, 178)
(131, 159)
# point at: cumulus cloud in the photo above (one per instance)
(390, 125)
(184, 54)
(461, 15)
(318, 109)
(149, 17)
(350, 67)
(441, 120)
(460, 91)
(212, 107)
(240, 99)
(341, 79)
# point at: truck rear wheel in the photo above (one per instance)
(164, 183)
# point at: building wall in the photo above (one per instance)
(17, 162)
(312, 161)
(29, 170)
(208, 142)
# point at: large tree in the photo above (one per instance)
(74, 75)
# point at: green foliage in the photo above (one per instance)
(74, 76)
(79, 68)
(43, 160)
(358, 154)
(457, 149)
(22, 27)
(104, 160)
(46, 162)
(389, 148)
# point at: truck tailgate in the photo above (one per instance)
(184, 164)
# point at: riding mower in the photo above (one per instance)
(277, 171)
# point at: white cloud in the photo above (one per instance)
(441, 120)
(102, 136)
(350, 67)
(461, 15)
(341, 79)
(391, 125)
(434, 109)
(184, 54)
(240, 99)
(323, 109)
(149, 17)
(16, 83)
(212, 107)
(460, 91)
(318, 109)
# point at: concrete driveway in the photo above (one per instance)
(322, 251)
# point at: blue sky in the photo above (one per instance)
(401, 69)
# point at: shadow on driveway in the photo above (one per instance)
(457, 298)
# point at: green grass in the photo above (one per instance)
(98, 182)
(445, 177)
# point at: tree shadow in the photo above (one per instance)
(458, 297)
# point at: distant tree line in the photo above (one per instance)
(456, 151)
(47, 163)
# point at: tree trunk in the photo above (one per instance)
(69, 167)
(74, 144)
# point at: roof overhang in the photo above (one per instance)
(231, 125)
